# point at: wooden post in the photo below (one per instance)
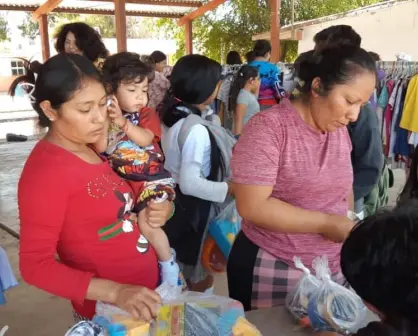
(43, 30)
(189, 36)
(275, 30)
(120, 22)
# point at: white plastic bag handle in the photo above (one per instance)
(299, 265)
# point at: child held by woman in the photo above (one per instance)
(243, 97)
(131, 144)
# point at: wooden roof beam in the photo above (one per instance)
(160, 3)
(47, 7)
(91, 11)
(211, 5)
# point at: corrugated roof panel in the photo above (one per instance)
(107, 6)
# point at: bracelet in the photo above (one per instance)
(172, 213)
(125, 126)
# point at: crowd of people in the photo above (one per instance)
(135, 164)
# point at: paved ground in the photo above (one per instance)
(30, 311)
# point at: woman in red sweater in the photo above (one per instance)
(71, 203)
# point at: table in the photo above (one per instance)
(274, 321)
(278, 322)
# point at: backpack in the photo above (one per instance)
(222, 138)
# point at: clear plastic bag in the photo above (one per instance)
(297, 300)
(333, 307)
(197, 314)
(223, 230)
(225, 227)
(187, 314)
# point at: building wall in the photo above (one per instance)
(386, 31)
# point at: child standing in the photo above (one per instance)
(243, 97)
(131, 144)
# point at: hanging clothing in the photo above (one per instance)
(7, 278)
(410, 117)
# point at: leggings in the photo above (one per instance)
(240, 270)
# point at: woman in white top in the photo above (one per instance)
(194, 163)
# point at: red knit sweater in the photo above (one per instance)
(78, 211)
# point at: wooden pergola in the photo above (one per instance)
(183, 10)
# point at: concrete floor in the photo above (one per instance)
(30, 311)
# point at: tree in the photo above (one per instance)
(232, 26)
(141, 27)
(30, 28)
(4, 30)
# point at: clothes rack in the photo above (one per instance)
(396, 104)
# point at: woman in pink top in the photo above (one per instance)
(293, 178)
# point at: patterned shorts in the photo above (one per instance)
(274, 279)
(258, 279)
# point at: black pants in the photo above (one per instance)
(240, 270)
(186, 228)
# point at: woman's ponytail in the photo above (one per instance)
(244, 74)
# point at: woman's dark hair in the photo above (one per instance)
(410, 190)
(244, 74)
(158, 56)
(193, 80)
(124, 67)
(88, 40)
(261, 48)
(339, 35)
(233, 58)
(333, 65)
(250, 56)
(374, 56)
(58, 79)
(379, 261)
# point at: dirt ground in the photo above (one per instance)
(29, 311)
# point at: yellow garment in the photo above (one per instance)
(409, 119)
(244, 328)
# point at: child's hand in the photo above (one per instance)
(115, 113)
(157, 214)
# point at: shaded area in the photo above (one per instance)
(12, 158)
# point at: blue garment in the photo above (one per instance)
(383, 97)
(401, 143)
(270, 86)
(7, 278)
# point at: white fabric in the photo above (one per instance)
(191, 166)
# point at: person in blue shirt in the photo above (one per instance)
(271, 89)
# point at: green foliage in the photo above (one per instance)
(232, 26)
(4, 30)
(136, 27)
(30, 28)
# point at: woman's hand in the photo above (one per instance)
(157, 214)
(337, 228)
(142, 303)
(115, 113)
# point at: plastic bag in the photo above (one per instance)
(333, 307)
(188, 314)
(244, 328)
(297, 300)
(213, 260)
(223, 230)
(225, 227)
(197, 314)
